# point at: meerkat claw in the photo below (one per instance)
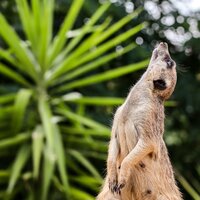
(113, 186)
(118, 188)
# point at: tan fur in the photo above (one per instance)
(138, 165)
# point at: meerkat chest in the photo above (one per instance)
(150, 117)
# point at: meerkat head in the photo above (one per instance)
(161, 72)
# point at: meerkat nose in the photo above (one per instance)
(164, 45)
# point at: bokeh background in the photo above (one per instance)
(60, 89)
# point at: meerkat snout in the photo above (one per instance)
(164, 45)
(162, 53)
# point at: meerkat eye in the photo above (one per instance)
(169, 61)
(159, 84)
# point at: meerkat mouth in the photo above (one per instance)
(160, 84)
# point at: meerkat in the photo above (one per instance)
(138, 165)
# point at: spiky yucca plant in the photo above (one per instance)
(44, 142)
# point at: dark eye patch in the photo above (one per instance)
(159, 84)
(169, 61)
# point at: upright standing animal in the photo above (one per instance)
(138, 165)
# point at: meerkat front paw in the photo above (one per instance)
(123, 178)
(113, 184)
(120, 186)
(112, 177)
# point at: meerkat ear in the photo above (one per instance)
(153, 57)
(160, 84)
(155, 54)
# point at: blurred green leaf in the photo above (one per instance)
(103, 76)
(61, 160)
(88, 182)
(12, 141)
(26, 19)
(84, 120)
(92, 145)
(94, 64)
(117, 26)
(99, 50)
(37, 15)
(86, 44)
(13, 75)
(84, 131)
(7, 55)
(186, 185)
(48, 170)
(46, 117)
(171, 103)
(7, 98)
(80, 195)
(37, 149)
(71, 64)
(4, 176)
(100, 101)
(86, 28)
(19, 110)
(21, 52)
(61, 37)
(80, 158)
(19, 163)
(45, 31)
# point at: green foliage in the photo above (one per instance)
(46, 136)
